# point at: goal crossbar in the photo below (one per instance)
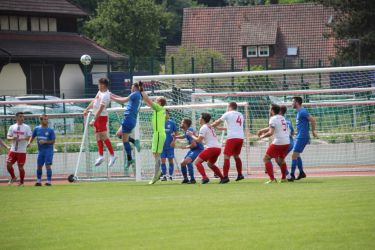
(254, 73)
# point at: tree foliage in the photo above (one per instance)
(129, 26)
(202, 60)
(354, 24)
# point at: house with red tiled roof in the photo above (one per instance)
(280, 35)
(40, 48)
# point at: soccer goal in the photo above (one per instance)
(341, 98)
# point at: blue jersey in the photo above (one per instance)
(190, 140)
(134, 103)
(303, 124)
(170, 129)
(46, 134)
(291, 129)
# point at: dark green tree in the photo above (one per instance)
(354, 24)
(129, 26)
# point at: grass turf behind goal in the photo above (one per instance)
(318, 213)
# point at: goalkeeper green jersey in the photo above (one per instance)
(158, 118)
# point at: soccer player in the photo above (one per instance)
(100, 120)
(212, 151)
(195, 149)
(279, 147)
(19, 134)
(303, 121)
(283, 110)
(45, 139)
(235, 135)
(168, 149)
(158, 126)
(130, 117)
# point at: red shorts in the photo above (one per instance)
(14, 157)
(210, 154)
(100, 124)
(233, 146)
(276, 151)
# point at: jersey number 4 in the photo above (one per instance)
(239, 120)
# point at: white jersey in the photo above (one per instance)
(234, 121)
(281, 135)
(210, 137)
(102, 98)
(21, 132)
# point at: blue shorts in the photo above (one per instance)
(193, 154)
(300, 144)
(167, 153)
(128, 124)
(45, 157)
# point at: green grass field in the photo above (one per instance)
(316, 213)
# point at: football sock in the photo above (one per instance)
(171, 169)
(11, 172)
(131, 139)
(157, 164)
(39, 173)
(299, 164)
(190, 170)
(109, 146)
(269, 168)
(293, 168)
(164, 168)
(201, 170)
(49, 175)
(284, 170)
(238, 165)
(22, 174)
(184, 171)
(100, 147)
(128, 150)
(217, 171)
(226, 167)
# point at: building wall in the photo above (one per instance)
(72, 81)
(12, 80)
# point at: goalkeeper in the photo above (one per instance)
(158, 126)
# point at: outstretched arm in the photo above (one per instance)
(2, 143)
(260, 132)
(88, 108)
(216, 123)
(146, 99)
(119, 99)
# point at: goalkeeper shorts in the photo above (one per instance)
(158, 140)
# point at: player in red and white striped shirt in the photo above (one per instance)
(19, 134)
(235, 135)
(212, 151)
(280, 144)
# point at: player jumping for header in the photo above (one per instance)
(303, 121)
(235, 135)
(100, 120)
(130, 117)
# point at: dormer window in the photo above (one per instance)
(14, 23)
(43, 24)
(263, 51)
(252, 51)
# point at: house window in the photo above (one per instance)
(22, 23)
(251, 51)
(43, 24)
(292, 51)
(13, 23)
(4, 22)
(263, 51)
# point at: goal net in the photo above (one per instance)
(342, 99)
